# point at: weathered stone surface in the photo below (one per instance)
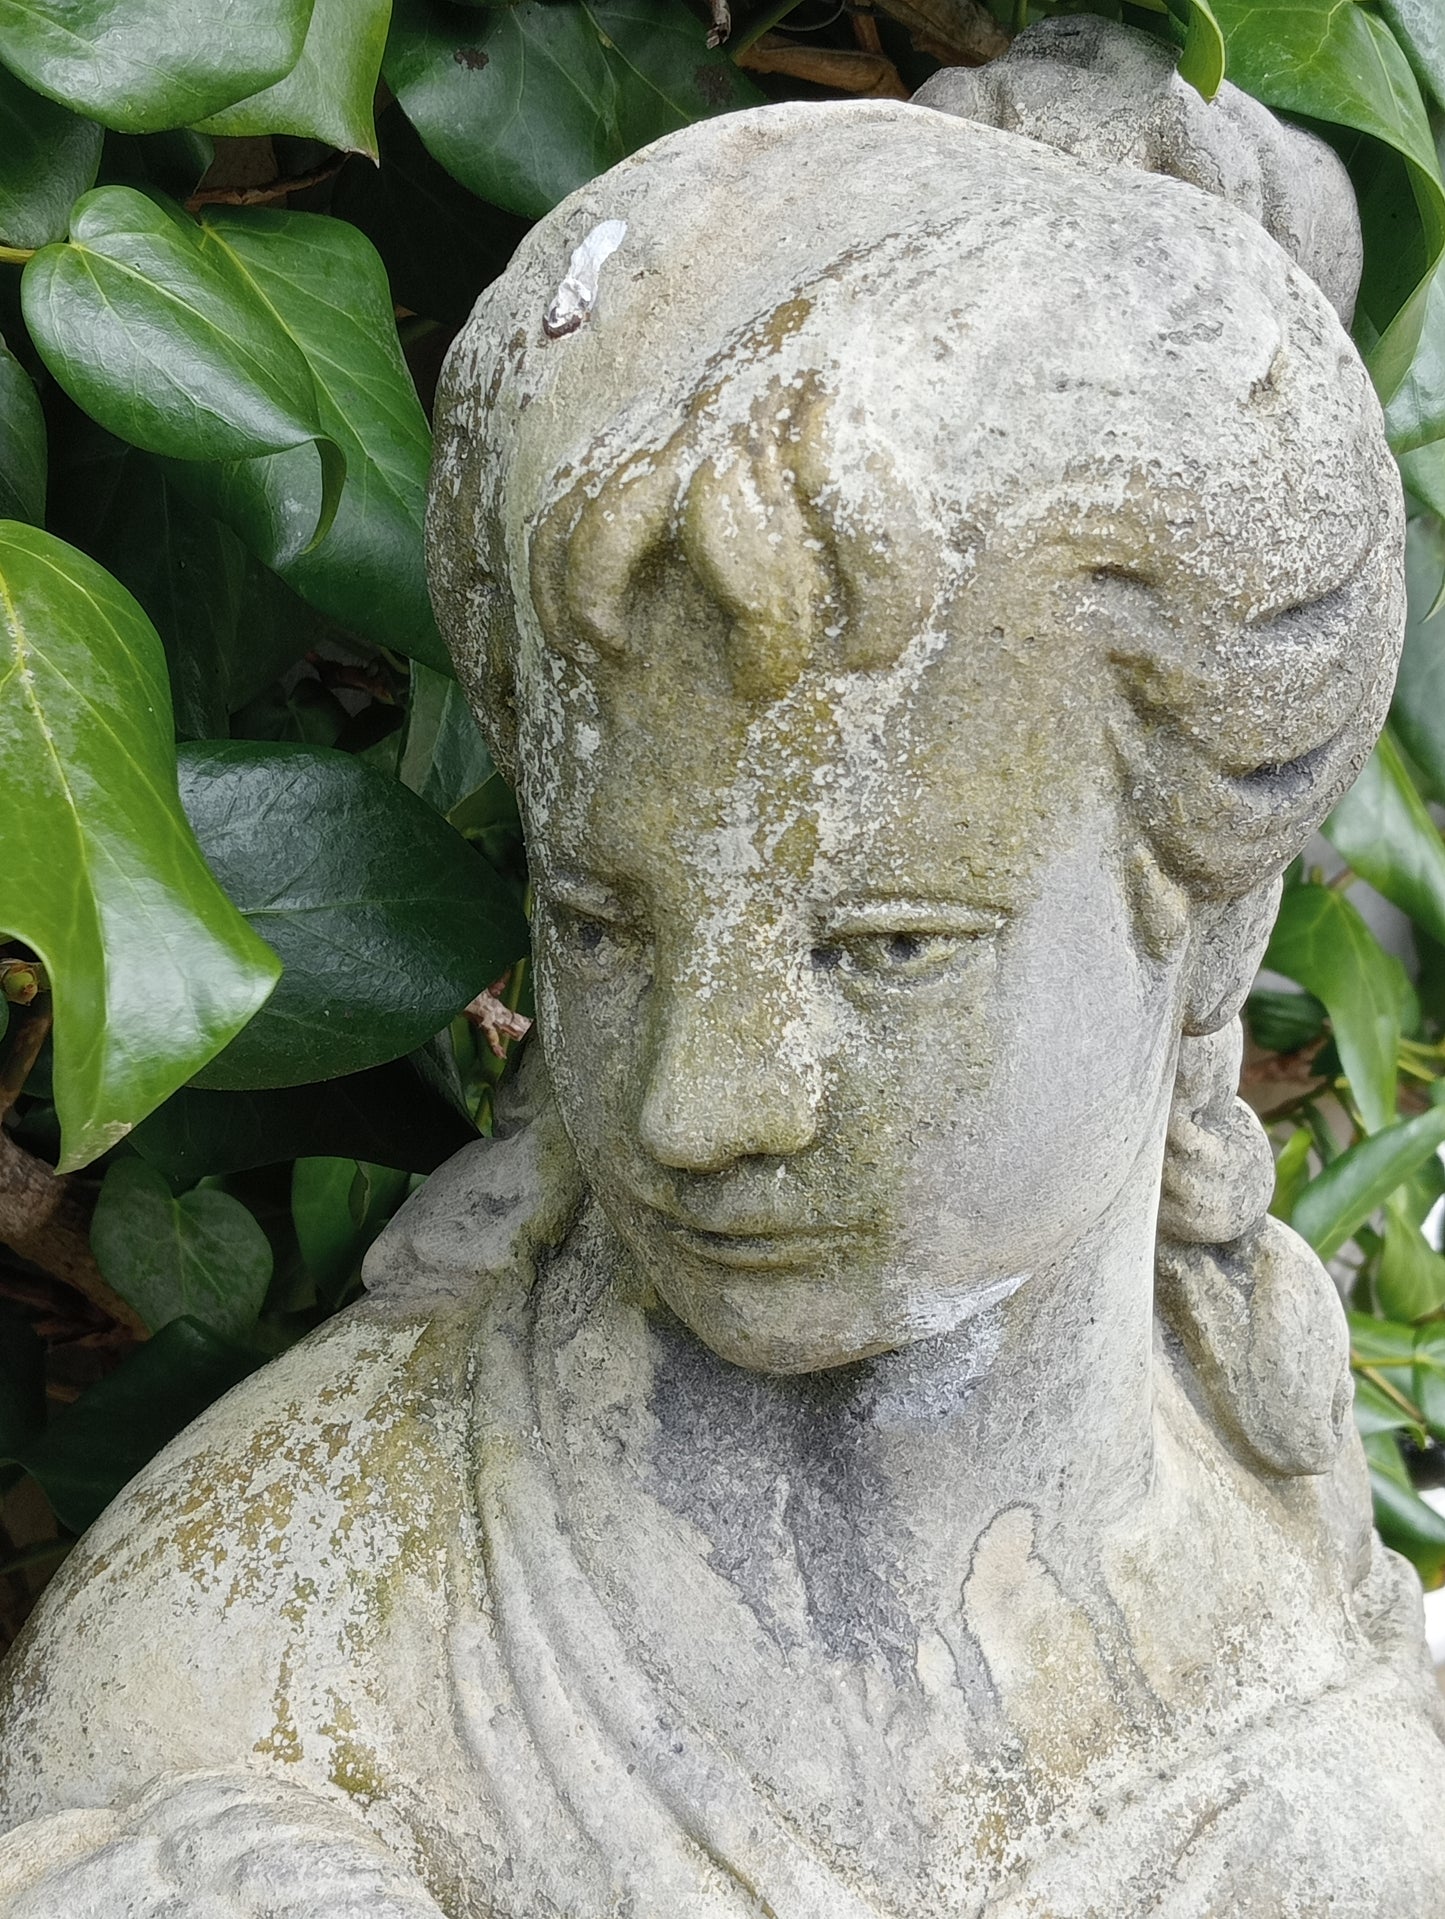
(800, 1468)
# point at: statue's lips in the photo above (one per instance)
(767, 1252)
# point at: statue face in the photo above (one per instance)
(843, 998)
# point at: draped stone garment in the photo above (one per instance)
(446, 1566)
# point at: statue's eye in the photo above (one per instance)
(593, 939)
(890, 955)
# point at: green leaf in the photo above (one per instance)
(150, 329)
(1358, 1183)
(1416, 413)
(1203, 59)
(1376, 1412)
(1284, 1022)
(386, 920)
(395, 1114)
(1383, 829)
(1419, 26)
(201, 1256)
(441, 244)
(175, 161)
(523, 103)
(22, 1385)
(1334, 61)
(22, 443)
(339, 1206)
(327, 95)
(48, 157)
(91, 1448)
(324, 286)
(1291, 1174)
(1320, 941)
(1429, 1379)
(229, 624)
(1423, 472)
(1381, 1343)
(1411, 1279)
(148, 64)
(1406, 1523)
(1418, 713)
(153, 969)
(445, 757)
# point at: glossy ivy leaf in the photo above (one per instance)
(1202, 61)
(1284, 1022)
(1419, 26)
(397, 1115)
(1321, 942)
(1416, 413)
(151, 329)
(386, 920)
(1358, 1183)
(91, 1448)
(324, 287)
(1333, 61)
(201, 1255)
(338, 1207)
(444, 757)
(327, 95)
(523, 103)
(149, 64)
(48, 158)
(153, 969)
(1418, 712)
(1410, 1282)
(441, 244)
(1383, 829)
(1406, 1523)
(174, 161)
(228, 624)
(22, 444)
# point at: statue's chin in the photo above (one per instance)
(787, 1326)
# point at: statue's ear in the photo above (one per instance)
(1226, 943)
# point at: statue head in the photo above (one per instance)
(923, 608)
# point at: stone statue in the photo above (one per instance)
(854, 1446)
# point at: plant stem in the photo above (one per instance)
(30, 1034)
(16, 256)
(765, 23)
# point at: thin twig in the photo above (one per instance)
(269, 190)
(45, 1217)
(31, 1031)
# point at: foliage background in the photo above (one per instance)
(257, 866)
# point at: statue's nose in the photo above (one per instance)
(731, 1077)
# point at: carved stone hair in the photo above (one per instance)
(1127, 377)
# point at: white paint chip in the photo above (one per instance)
(577, 295)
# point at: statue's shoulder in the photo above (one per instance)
(286, 1568)
(247, 1576)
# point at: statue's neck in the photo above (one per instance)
(894, 1468)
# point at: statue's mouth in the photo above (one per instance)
(771, 1251)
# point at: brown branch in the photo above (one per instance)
(28, 1034)
(268, 191)
(960, 33)
(45, 1217)
(845, 69)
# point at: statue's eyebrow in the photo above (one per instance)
(582, 893)
(888, 912)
